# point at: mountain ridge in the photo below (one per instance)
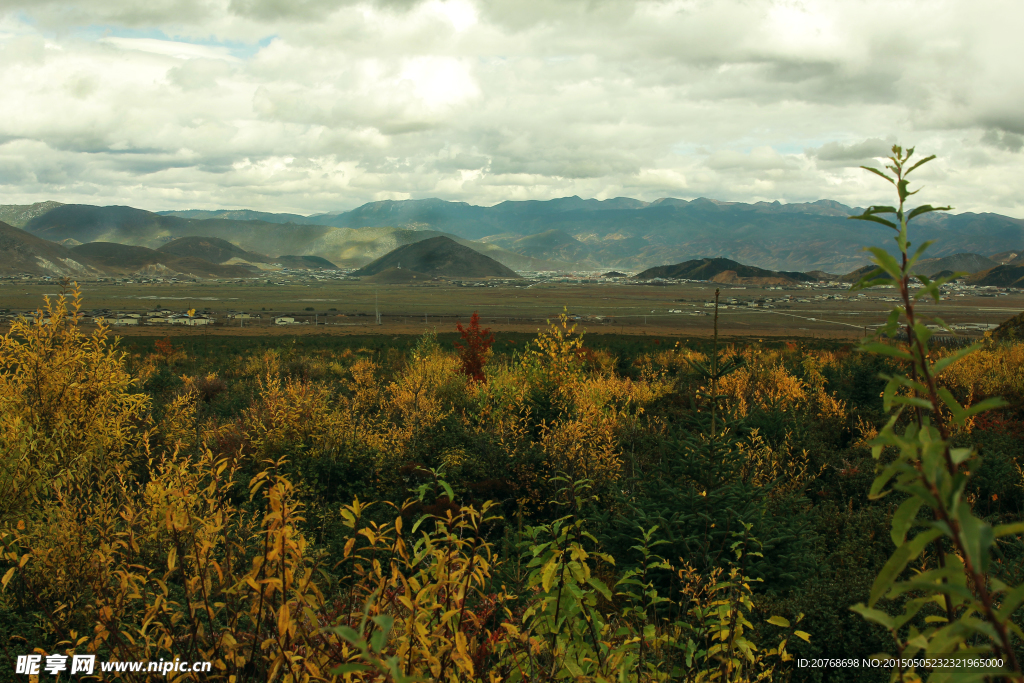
(568, 232)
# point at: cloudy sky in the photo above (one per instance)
(321, 105)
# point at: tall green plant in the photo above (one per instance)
(714, 370)
(951, 602)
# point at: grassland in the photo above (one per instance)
(348, 307)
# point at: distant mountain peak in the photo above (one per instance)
(438, 256)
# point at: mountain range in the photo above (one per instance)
(560, 234)
(631, 234)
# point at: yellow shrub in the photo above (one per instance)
(69, 409)
(995, 370)
(788, 470)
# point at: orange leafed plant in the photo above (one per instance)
(477, 347)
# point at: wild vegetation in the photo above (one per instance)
(517, 512)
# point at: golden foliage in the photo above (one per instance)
(780, 467)
(140, 541)
(69, 409)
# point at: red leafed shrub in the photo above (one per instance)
(164, 347)
(476, 348)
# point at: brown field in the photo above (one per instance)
(602, 307)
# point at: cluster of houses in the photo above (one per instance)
(122, 319)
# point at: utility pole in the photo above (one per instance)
(375, 306)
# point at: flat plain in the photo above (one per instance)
(677, 310)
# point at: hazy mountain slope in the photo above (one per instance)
(18, 215)
(542, 235)
(632, 234)
(438, 256)
(21, 253)
(212, 249)
(239, 215)
(1000, 276)
(1011, 329)
(552, 244)
(127, 259)
(711, 268)
(119, 257)
(346, 247)
(305, 262)
(118, 224)
(957, 263)
(1008, 256)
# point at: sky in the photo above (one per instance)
(312, 106)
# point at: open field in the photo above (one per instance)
(348, 307)
(327, 426)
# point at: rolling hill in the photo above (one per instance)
(212, 249)
(346, 247)
(305, 262)
(22, 253)
(1010, 330)
(1009, 256)
(438, 257)
(1000, 276)
(123, 259)
(956, 263)
(17, 215)
(723, 270)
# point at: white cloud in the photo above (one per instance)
(317, 105)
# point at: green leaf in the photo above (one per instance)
(349, 634)
(883, 349)
(1011, 601)
(600, 587)
(959, 455)
(977, 536)
(943, 363)
(903, 519)
(898, 562)
(986, 404)
(920, 163)
(926, 208)
(779, 621)
(875, 615)
(874, 219)
(380, 636)
(918, 254)
(912, 401)
(887, 262)
(1011, 529)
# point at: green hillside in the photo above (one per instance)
(439, 256)
(211, 249)
(126, 259)
(22, 253)
(710, 268)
